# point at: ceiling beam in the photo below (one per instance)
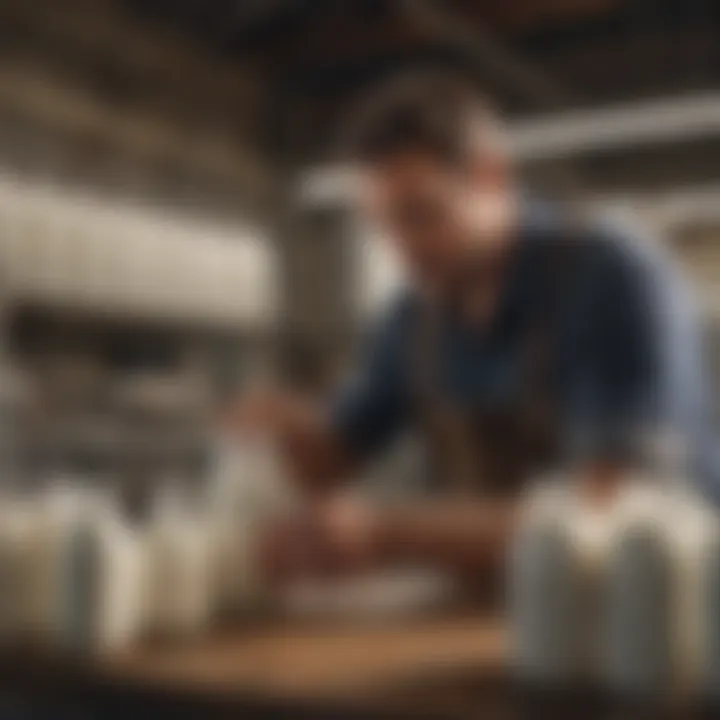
(504, 64)
(520, 15)
(30, 94)
(632, 125)
(97, 32)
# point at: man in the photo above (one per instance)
(528, 340)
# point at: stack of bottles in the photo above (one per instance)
(78, 574)
(624, 596)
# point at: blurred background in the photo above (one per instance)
(169, 214)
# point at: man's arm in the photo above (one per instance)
(318, 458)
(325, 445)
(632, 374)
(315, 457)
(625, 383)
(468, 538)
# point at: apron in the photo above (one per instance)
(474, 451)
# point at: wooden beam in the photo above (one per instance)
(666, 120)
(97, 30)
(521, 15)
(30, 93)
(507, 65)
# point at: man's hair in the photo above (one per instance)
(442, 115)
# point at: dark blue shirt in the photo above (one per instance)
(626, 359)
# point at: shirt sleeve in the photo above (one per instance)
(371, 409)
(633, 374)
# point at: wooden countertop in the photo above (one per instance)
(442, 667)
(293, 660)
(420, 667)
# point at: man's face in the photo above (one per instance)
(436, 215)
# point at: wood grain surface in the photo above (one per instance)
(301, 660)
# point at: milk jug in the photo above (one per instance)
(18, 560)
(630, 591)
(249, 491)
(234, 568)
(636, 654)
(545, 593)
(233, 507)
(178, 579)
(58, 510)
(695, 532)
(558, 572)
(660, 604)
(98, 577)
(121, 589)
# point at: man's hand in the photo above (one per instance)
(303, 433)
(601, 482)
(262, 411)
(468, 540)
(333, 537)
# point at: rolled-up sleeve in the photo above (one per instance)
(372, 408)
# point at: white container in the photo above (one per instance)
(694, 532)
(179, 597)
(235, 575)
(57, 510)
(559, 582)
(18, 560)
(545, 589)
(709, 671)
(660, 581)
(629, 593)
(121, 592)
(248, 493)
(636, 628)
(88, 575)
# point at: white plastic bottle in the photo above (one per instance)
(58, 509)
(231, 506)
(709, 672)
(250, 490)
(545, 593)
(559, 576)
(81, 566)
(659, 597)
(235, 573)
(18, 558)
(637, 640)
(94, 576)
(694, 529)
(121, 592)
(178, 575)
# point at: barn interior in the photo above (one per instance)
(173, 224)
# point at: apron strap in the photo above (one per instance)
(539, 411)
(462, 446)
(454, 454)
